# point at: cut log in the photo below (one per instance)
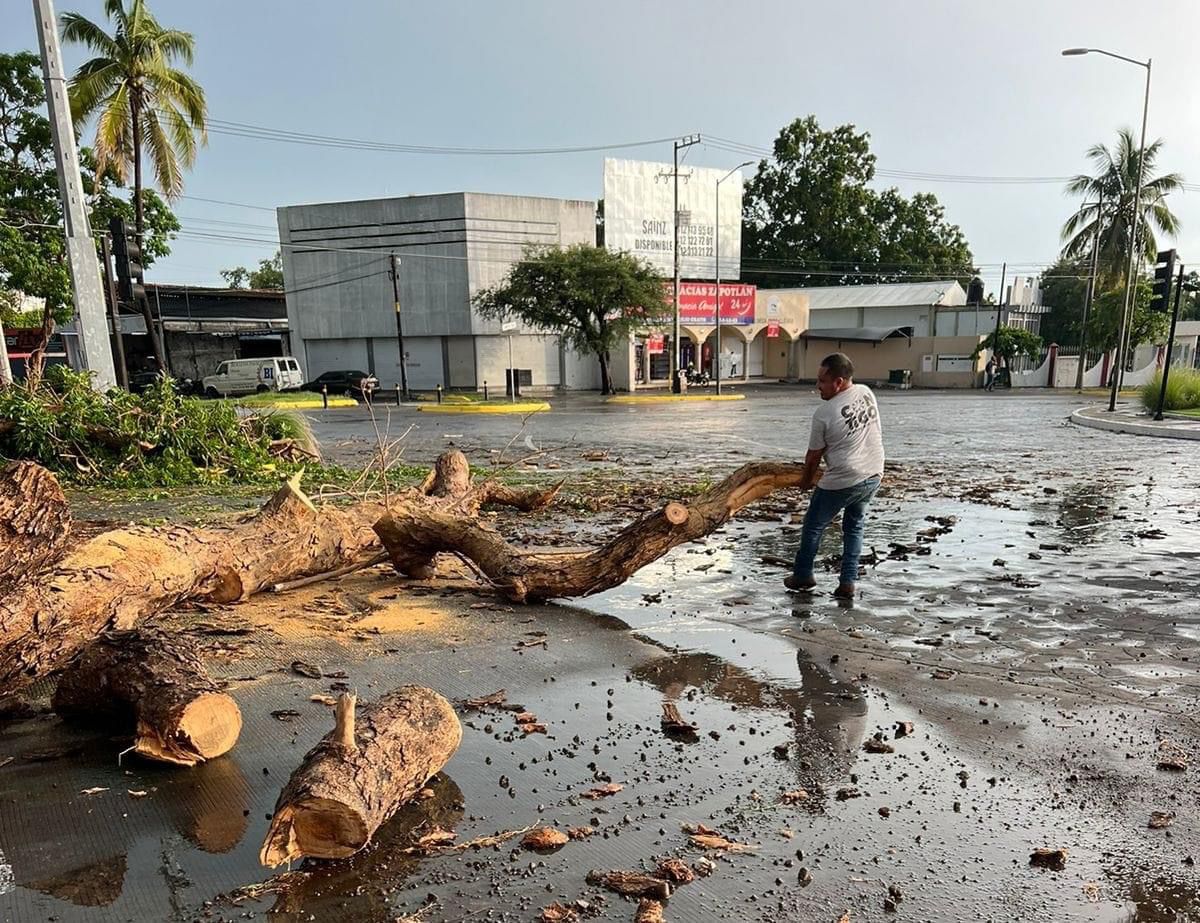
(158, 687)
(360, 774)
(631, 884)
(414, 534)
(119, 577)
(35, 522)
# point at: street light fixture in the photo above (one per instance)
(1122, 345)
(717, 253)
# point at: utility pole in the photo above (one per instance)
(678, 146)
(1000, 299)
(91, 325)
(1091, 291)
(395, 274)
(118, 336)
(1162, 391)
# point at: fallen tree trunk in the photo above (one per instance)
(35, 522)
(360, 774)
(415, 534)
(156, 686)
(119, 577)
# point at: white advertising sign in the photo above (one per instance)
(638, 199)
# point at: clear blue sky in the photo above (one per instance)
(943, 86)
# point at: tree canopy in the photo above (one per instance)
(268, 275)
(810, 217)
(141, 99)
(591, 297)
(32, 246)
(1010, 343)
(1110, 192)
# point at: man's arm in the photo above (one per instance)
(812, 468)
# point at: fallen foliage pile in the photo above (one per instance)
(154, 439)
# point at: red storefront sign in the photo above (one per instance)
(697, 300)
(655, 343)
(772, 328)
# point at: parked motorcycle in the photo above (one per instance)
(697, 378)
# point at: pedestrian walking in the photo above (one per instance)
(847, 436)
(989, 374)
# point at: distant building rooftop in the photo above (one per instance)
(947, 292)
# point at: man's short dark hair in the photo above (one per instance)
(838, 365)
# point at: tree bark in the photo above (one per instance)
(155, 686)
(414, 535)
(605, 378)
(360, 774)
(35, 522)
(119, 577)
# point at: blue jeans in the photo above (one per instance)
(852, 503)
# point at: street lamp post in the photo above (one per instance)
(717, 254)
(1091, 290)
(1127, 312)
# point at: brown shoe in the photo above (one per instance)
(794, 583)
(844, 591)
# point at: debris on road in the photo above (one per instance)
(1055, 859)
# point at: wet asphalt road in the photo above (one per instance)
(1031, 606)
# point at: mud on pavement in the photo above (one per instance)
(1018, 675)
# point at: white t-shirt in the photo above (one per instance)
(847, 427)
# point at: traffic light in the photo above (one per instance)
(127, 254)
(1164, 269)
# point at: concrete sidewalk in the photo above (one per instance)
(1130, 420)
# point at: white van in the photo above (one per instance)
(246, 376)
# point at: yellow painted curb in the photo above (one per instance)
(521, 407)
(302, 405)
(671, 398)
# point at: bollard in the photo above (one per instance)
(398, 395)
(485, 397)
(325, 396)
(439, 393)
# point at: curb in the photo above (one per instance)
(301, 405)
(1134, 428)
(672, 398)
(524, 407)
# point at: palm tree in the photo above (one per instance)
(1114, 184)
(142, 102)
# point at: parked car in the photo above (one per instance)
(345, 381)
(235, 377)
(140, 381)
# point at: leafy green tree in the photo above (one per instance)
(809, 207)
(142, 102)
(1064, 292)
(1009, 343)
(1115, 182)
(32, 248)
(269, 275)
(591, 297)
(1146, 327)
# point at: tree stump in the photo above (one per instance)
(158, 687)
(360, 774)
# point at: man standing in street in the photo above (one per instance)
(845, 433)
(989, 374)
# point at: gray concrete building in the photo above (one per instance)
(340, 304)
